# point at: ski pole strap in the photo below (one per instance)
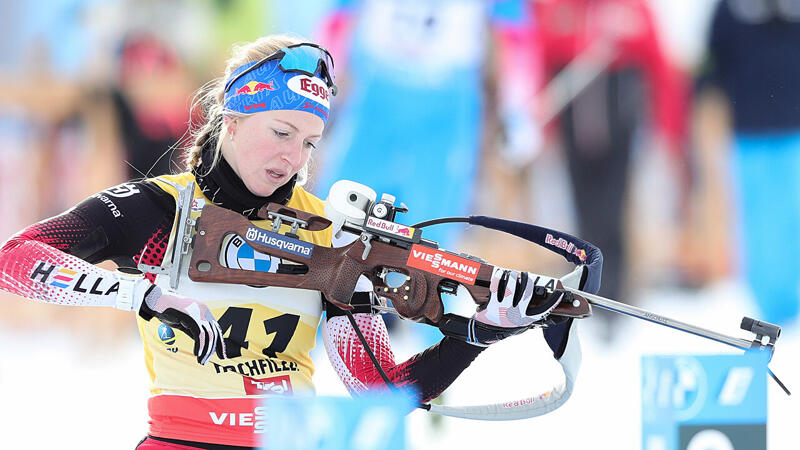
(473, 331)
(573, 249)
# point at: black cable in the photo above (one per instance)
(428, 223)
(369, 352)
(375, 362)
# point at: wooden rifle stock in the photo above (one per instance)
(335, 271)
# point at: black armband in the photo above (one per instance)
(473, 331)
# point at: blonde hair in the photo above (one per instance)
(209, 99)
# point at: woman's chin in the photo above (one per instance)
(266, 186)
(263, 189)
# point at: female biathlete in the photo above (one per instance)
(263, 120)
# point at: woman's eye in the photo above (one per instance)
(280, 134)
(311, 145)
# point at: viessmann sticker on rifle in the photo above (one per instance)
(279, 242)
(444, 264)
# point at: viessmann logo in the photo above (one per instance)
(256, 419)
(444, 264)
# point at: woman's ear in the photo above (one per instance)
(230, 125)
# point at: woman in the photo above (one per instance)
(263, 120)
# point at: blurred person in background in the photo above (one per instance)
(420, 83)
(42, 60)
(423, 84)
(261, 123)
(619, 83)
(47, 57)
(752, 50)
(150, 101)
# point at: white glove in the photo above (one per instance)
(512, 293)
(188, 315)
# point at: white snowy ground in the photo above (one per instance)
(57, 391)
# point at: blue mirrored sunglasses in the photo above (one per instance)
(306, 58)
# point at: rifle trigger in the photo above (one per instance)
(366, 238)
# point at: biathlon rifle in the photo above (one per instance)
(403, 267)
(411, 271)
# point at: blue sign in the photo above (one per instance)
(716, 402)
(374, 422)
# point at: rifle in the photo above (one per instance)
(413, 273)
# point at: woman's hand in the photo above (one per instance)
(515, 301)
(188, 315)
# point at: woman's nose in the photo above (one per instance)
(293, 154)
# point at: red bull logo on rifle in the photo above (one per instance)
(564, 244)
(254, 87)
(390, 227)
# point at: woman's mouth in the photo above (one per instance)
(275, 175)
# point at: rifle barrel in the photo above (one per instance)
(643, 314)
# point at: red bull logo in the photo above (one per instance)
(565, 245)
(254, 87)
(396, 229)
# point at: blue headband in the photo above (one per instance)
(268, 88)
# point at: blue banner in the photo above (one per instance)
(336, 422)
(704, 402)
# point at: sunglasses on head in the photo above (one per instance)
(306, 58)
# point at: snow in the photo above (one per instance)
(61, 391)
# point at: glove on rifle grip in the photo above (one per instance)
(542, 300)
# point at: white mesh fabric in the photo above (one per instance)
(348, 356)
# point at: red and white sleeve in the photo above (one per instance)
(38, 271)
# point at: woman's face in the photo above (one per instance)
(268, 148)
